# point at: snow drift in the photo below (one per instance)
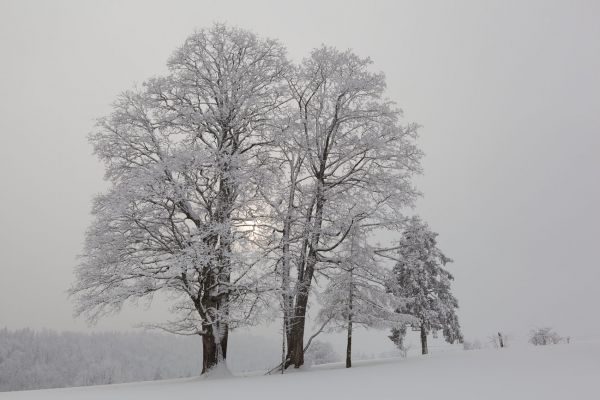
(545, 372)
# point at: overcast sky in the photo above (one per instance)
(508, 93)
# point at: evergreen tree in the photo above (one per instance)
(419, 275)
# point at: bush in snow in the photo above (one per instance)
(321, 353)
(544, 336)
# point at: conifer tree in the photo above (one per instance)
(419, 275)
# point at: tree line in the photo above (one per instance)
(240, 178)
(48, 359)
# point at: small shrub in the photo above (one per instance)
(321, 353)
(544, 336)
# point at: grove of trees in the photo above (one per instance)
(240, 178)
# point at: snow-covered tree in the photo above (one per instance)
(419, 275)
(544, 336)
(357, 293)
(397, 336)
(345, 158)
(184, 155)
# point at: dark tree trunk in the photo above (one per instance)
(213, 353)
(284, 339)
(296, 345)
(298, 320)
(305, 277)
(500, 339)
(350, 308)
(349, 346)
(209, 352)
(224, 340)
(424, 349)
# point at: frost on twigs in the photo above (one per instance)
(344, 159)
(238, 177)
(184, 157)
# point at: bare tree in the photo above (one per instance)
(357, 293)
(184, 155)
(345, 158)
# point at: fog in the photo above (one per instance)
(507, 93)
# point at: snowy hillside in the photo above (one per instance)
(545, 372)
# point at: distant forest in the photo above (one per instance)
(47, 359)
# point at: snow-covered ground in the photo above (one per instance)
(551, 372)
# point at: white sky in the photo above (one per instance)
(508, 93)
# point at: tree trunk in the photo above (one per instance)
(349, 346)
(224, 340)
(296, 345)
(305, 277)
(349, 341)
(350, 308)
(214, 350)
(287, 297)
(215, 331)
(424, 349)
(209, 352)
(500, 340)
(284, 338)
(214, 341)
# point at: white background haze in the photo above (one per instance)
(508, 93)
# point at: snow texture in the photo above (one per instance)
(532, 372)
